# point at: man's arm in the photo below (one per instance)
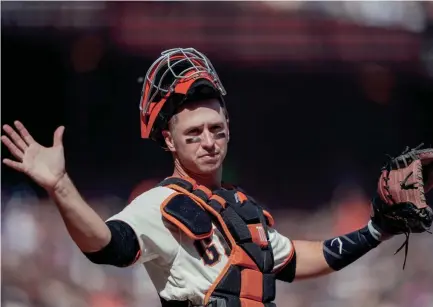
(46, 166)
(119, 242)
(137, 233)
(85, 226)
(113, 243)
(310, 260)
(300, 259)
(315, 259)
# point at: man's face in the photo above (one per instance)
(198, 136)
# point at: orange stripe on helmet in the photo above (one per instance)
(201, 68)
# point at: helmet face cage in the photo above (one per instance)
(183, 66)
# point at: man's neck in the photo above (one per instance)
(210, 181)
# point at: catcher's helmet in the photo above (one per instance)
(177, 76)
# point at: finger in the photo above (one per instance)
(15, 151)
(14, 164)
(19, 142)
(58, 136)
(24, 133)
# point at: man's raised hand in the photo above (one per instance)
(45, 165)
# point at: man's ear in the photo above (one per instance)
(228, 131)
(168, 138)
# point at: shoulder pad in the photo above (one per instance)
(188, 215)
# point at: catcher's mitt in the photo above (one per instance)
(400, 206)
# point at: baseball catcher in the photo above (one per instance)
(204, 242)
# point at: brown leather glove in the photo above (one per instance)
(400, 205)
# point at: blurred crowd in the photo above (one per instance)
(41, 266)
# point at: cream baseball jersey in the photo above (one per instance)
(182, 268)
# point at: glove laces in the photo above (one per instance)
(406, 247)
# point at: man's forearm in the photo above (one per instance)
(320, 258)
(343, 250)
(311, 261)
(84, 225)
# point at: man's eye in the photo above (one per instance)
(194, 131)
(216, 128)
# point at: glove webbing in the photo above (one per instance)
(407, 153)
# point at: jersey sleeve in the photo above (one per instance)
(284, 255)
(157, 238)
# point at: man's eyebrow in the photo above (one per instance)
(219, 122)
(198, 126)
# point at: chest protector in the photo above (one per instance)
(247, 279)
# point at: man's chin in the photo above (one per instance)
(209, 168)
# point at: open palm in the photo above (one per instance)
(45, 165)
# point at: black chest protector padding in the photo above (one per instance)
(238, 229)
(268, 260)
(249, 212)
(228, 300)
(184, 212)
(255, 253)
(228, 195)
(201, 194)
(269, 287)
(231, 281)
(165, 303)
(216, 206)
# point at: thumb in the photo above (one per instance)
(58, 136)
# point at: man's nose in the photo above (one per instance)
(208, 141)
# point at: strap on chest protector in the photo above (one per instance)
(247, 279)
